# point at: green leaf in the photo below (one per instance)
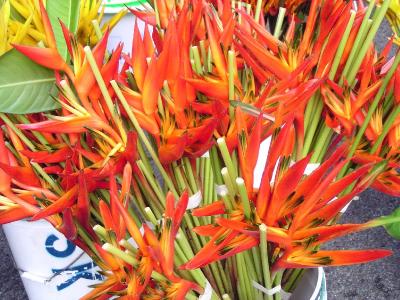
(25, 87)
(394, 228)
(66, 11)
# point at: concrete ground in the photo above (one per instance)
(378, 280)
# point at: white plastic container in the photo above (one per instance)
(312, 286)
(51, 267)
(123, 31)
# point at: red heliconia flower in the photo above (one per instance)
(345, 108)
(162, 90)
(297, 210)
(388, 181)
(48, 57)
(271, 6)
(20, 204)
(154, 252)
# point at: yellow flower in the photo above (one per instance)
(25, 25)
(90, 18)
(4, 17)
(26, 29)
(393, 16)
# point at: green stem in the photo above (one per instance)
(38, 135)
(325, 146)
(101, 232)
(179, 178)
(342, 46)
(258, 10)
(293, 279)
(368, 40)
(371, 110)
(244, 197)
(144, 139)
(197, 60)
(143, 156)
(229, 184)
(216, 165)
(309, 112)
(386, 127)
(321, 142)
(218, 279)
(264, 258)
(32, 147)
(128, 246)
(150, 216)
(357, 41)
(86, 238)
(190, 174)
(97, 29)
(243, 276)
(231, 80)
(103, 88)
(150, 179)
(277, 281)
(313, 125)
(257, 262)
(227, 158)
(279, 22)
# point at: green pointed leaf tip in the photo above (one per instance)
(68, 12)
(394, 228)
(25, 87)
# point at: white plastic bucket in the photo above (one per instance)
(123, 31)
(51, 267)
(312, 286)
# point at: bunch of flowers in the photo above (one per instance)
(153, 162)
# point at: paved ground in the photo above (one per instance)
(378, 280)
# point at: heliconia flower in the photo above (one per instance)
(48, 57)
(248, 146)
(272, 6)
(132, 274)
(20, 187)
(345, 108)
(304, 259)
(304, 204)
(167, 79)
(389, 178)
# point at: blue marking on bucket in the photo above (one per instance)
(84, 271)
(51, 239)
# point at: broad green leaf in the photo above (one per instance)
(68, 12)
(394, 228)
(25, 87)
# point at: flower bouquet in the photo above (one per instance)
(215, 157)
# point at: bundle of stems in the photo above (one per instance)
(150, 166)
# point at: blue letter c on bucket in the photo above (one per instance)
(53, 251)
